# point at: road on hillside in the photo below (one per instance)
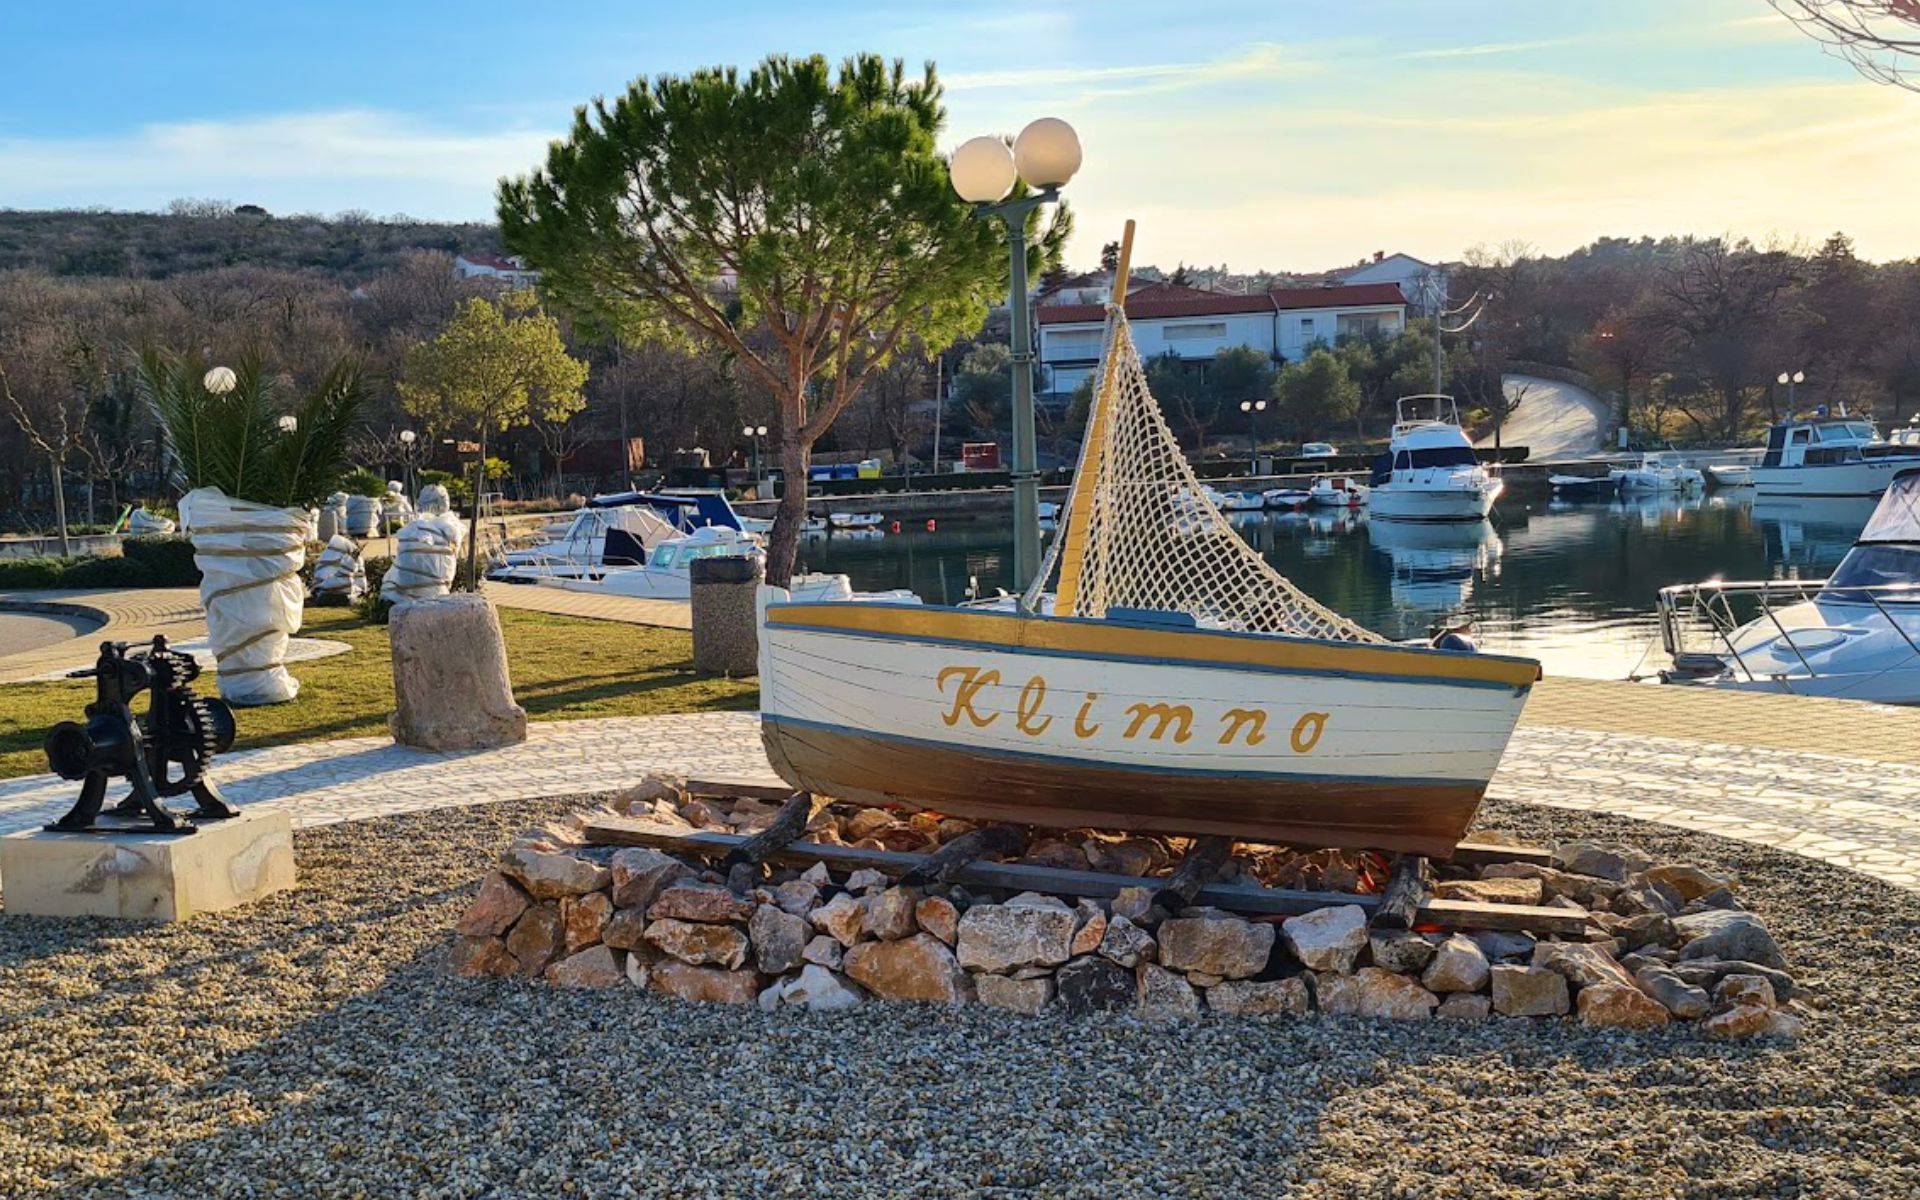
(1554, 420)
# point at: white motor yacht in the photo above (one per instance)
(1242, 502)
(1854, 635)
(1430, 471)
(595, 541)
(1831, 456)
(1659, 471)
(1336, 491)
(668, 572)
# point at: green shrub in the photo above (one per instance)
(41, 572)
(167, 559)
(376, 569)
(106, 573)
(375, 608)
(362, 482)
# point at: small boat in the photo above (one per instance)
(1659, 471)
(1243, 502)
(1319, 450)
(1430, 471)
(1584, 487)
(852, 520)
(1730, 475)
(1141, 682)
(1336, 491)
(667, 574)
(1049, 512)
(1289, 498)
(814, 525)
(593, 542)
(1854, 635)
(1822, 455)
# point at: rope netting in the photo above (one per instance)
(1139, 532)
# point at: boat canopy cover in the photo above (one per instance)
(1897, 519)
(685, 513)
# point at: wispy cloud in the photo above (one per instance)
(1490, 48)
(1255, 60)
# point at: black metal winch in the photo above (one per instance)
(181, 730)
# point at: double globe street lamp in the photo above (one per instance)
(1792, 381)
(1251, 408)
(983, 169)
(755, 433)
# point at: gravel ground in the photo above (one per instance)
(314, 1048)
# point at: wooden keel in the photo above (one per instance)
(1241, 898)
(1407, 817)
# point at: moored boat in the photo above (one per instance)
(1336, 491)
(1430, 471)
(1177, 684)
(1584, 487)
(1824, 455)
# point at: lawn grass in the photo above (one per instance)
(563, 668)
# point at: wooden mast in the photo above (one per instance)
(1086, 476)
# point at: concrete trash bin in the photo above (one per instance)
(726, 629)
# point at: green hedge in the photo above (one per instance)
(151, 561)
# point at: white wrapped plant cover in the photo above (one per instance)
(338, 571)
(333, 518)
(249, 557)
(395, 509)
(363, 516)
(143, 522)
(428, 551)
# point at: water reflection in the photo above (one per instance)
(1569, 583)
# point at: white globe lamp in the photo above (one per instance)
(219, 380)
(982, 170)
(1047, 152)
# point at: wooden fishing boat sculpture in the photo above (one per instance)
(1173, 681)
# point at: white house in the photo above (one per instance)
(1416, 280)
(511, 271)
(1284, 324)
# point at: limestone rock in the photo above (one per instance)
(866, 880)
(480, 955)
(816, 989)
(1401, 953)
(1751, 1021)
(797, 896)
(1373, 992)
(1201, 979)
(1528, 991)
(866, 823)
(699, 944)
(1619, 1006)
(537, 938)
(1582, 889)
(1127, 944)
(817, 874)
(496, 906)
(691, 900)
(1584, 965)
(709, 984)
(1225, 946)
(1593, 858)
(1744, 989)
(549, 875)
(779, 939)
(1490, 891)
(1458, 966)
(626, 929)
(1328, 939)
(1245, 998)
(1001, 937)
(639, 969)
(1726, 934)
(1676, 995)
(1165, 995)
(1093, 927)
(1641, 898)
(1025, 996)
(583, 918)
(824, 951)
(1464, 1006)
(890, 914)
(842, 918)
(1501, 946)
(1708, 972)
(594, 967)
(640, 874)
(914, 968)
(1690, 881)
(1088, 985)
(938, 916)
(450, 682)
(1132, 903)
(651, 787)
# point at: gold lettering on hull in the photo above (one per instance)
(1238, 717)
(971, 681)
(1032, 697)
(1165, 715)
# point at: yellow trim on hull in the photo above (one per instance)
(1070, 636)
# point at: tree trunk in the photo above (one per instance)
(60, 507)
(473, 533)
(792, 513)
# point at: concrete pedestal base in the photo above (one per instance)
(145, 875)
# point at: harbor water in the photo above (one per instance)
(1571, 584)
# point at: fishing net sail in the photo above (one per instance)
(1140, 533)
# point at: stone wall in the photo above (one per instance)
(1667, 941)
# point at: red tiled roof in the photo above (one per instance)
(1210, 305)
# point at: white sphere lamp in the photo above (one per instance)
(219, 380)
(982, 170)
(1047, 152)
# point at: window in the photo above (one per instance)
(1306, 329)
(1890, 570)
(1194, 331)
(1067, 341)
(1349, 325)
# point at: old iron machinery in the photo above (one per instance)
(181, 731)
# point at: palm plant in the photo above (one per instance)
(363, 482)
(240, 440)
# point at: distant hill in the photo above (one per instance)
(201, 236)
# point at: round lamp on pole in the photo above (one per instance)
(1047, 152)
(289, 423)
(982, 170)
(219, 380)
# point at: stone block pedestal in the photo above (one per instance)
(451, 689)
(148, 876)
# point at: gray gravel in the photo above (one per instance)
(314, 1048)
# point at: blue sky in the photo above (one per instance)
(1287, 133)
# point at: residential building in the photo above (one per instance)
(1420, 282)
(1284, 324)
(511, 271)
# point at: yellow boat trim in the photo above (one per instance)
(1095, 637)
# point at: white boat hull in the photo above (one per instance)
(1007, 717)
(1396, 501)
(1869, 477)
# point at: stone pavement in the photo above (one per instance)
(130, 615)
(1857, 812)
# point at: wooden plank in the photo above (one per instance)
(1242, 898)
(739, 787)
(1479, 854)
(1405, 891)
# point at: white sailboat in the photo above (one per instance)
(1430, 472)
(1173, 683)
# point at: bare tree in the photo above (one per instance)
(1881, 38)
(43, 375)
(560, 436)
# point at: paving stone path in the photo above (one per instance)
(1856, 812)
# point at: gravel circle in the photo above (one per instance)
(313, 1046)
